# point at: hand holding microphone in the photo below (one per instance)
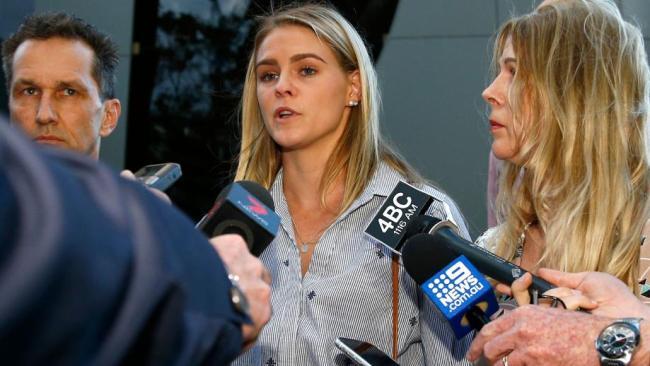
(468, 302)
(542, 336)
(244, 208)
(252, 278)
(405, 214)
(601, 293)
(491, 265)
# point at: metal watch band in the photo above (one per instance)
(237, 297)
(625, 359)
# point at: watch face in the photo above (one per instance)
(617, 340)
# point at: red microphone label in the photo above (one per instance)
(254, 209)
(257, 206)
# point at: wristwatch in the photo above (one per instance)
(237, 297)
(617, 342)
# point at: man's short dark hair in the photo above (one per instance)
(51, 25)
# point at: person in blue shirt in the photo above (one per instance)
(95, 270)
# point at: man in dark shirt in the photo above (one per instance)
(94, 269)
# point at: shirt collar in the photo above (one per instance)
(383, 181)
(280, 202)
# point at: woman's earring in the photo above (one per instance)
(353, 103)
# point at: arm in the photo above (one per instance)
(253, 279)
(534, 331)
(534, 335)
(97, 270)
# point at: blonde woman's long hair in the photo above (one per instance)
(580, 96)
(360, 148)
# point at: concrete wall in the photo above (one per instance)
(116, 19)
(638, 12)
(433, 69)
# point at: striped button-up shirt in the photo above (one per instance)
(347, 292)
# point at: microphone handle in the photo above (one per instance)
(540, 285)
(477, 318)
(490, 264)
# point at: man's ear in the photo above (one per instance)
(112, 111)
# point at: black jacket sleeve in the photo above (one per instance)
(95, 270)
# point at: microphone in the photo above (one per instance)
(243, 208)
(491, 265)
(391, 224)
(463, 296)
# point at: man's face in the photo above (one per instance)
(54, 98)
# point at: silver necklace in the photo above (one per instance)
(303, 246)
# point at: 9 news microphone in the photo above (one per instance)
(243, 208)
(443, 235)
(463, 296)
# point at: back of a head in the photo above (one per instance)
(61, 25)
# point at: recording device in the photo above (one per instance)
(454, 285)
(159, 176)
(442, 235)
(243, 208)
(391, 225)
(363, 353)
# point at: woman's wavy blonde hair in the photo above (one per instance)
(581, 93)
(361, 146)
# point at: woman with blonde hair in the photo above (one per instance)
(569, 112)
(310, 133)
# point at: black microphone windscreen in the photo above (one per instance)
(422, 260)
(243, 208)
(419, 224)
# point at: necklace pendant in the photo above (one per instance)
(304, 247)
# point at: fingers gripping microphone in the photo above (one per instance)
(243, 208)
(491, 265)
(451, 282)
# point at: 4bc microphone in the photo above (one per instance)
(243, 208)
(391, 225)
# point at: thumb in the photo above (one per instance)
(520, 289)
(562, 279)
(127, 174)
